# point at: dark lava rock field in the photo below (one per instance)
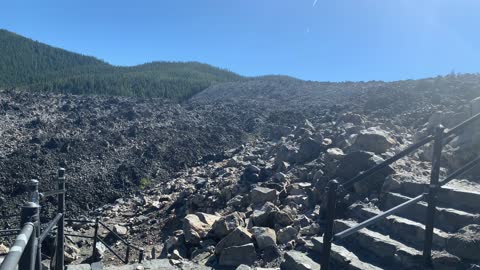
(109, 144)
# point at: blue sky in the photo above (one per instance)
(335, 40)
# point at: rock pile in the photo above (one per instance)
(256, 205)
(198, 198)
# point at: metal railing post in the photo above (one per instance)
(59, 248)
(95, 235)
(432, 195)
(36, 253)
(332, 188)
(39, 255)
(127, 255)
(140, 255)
(31, 213)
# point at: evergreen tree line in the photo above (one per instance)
(34, 66)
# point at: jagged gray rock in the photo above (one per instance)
(374, 140)
(295, 260)
(239, 236)
(225, 225)
(261, 195)
(236, 255)
(195, 229)
(264, 237)
(286, 234)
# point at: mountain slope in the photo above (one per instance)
(35, 66)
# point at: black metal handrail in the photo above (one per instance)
(467, 167)
(462, 125)
(30, 256)
(49, 227)
(334, 191)
(374, 219)
(31, 248)
(17, 250)
(364, 175)
(96, 224)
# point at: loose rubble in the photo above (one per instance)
(258, 202)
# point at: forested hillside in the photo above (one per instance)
(31, 65)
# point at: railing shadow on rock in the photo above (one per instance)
(336, 191)
(26, 251)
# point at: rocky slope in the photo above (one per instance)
(269, 146)
(111, 147)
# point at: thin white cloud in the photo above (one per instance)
(314, 3)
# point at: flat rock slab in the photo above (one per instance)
(382, 246)
(447, 219)
(458, 194)
(343, 257)
(295, 260)
(398, 227)
(237, 255)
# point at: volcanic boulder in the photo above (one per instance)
(196, 227)
(309, 150)
(265, 237)
(225, 225)
(357, 162)
(374, 140)
(261, 195)
(236, 255)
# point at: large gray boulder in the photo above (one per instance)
(261, 195)
(285, 153)
(265, 237)
(331, 158)
(309, 150)
(271, 216)
(287, 234)
(373, 140)
(197, 226)
(251, 174)
(240, 236)
(237, 255)
(357, 162)
(227, 224)
(262, 217)
(120, 230)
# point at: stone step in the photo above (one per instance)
(296, 260)
(398, 228)
(447, 219)
(342, 258)
(390, 253)
(386, 250)
(458, 194)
